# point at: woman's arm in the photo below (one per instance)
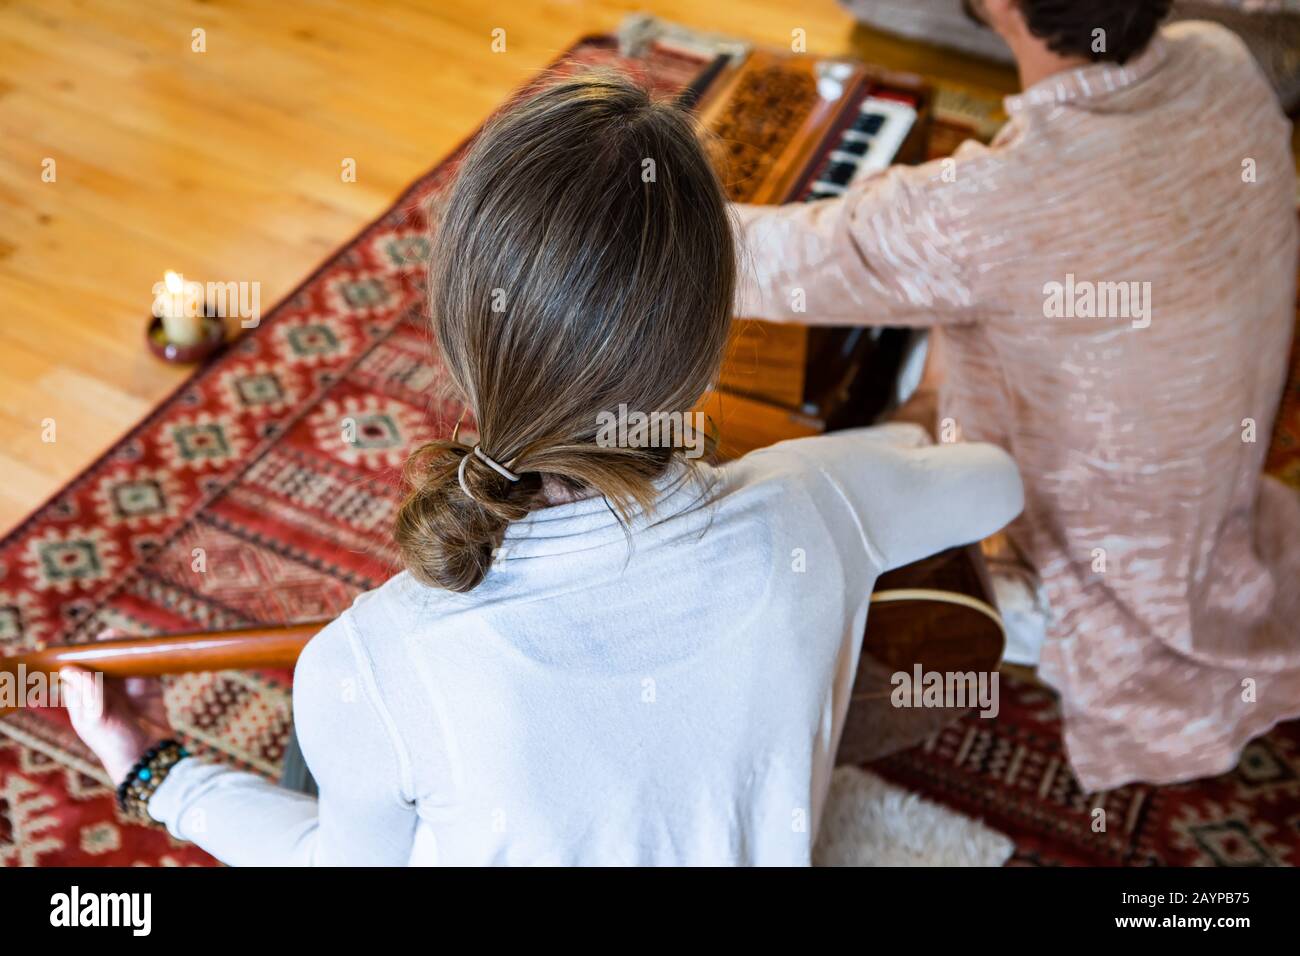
(909, 498)
(365, 814)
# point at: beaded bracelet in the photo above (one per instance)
(147, 776)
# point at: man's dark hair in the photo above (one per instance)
(1070, 26)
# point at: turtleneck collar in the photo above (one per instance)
(592, 522)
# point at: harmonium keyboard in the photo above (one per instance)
(787, 127)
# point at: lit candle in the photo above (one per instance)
(182, 325)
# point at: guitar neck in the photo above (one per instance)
(246, 648)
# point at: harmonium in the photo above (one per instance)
(792, 127)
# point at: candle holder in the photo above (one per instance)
(214, 337)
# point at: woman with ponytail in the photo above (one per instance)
(601, 651)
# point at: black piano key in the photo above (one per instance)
(858, 147)
(869, 123)
(839, 173)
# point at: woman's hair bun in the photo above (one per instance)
(446, 537)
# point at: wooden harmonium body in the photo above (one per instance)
(799, 128)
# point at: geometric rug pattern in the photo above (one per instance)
(1011, 773)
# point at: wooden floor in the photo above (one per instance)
(225, 165)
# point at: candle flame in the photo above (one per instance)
(175, 284)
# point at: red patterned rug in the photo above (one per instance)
(238, 501)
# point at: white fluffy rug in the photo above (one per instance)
(869, 822)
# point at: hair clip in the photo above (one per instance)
(488, 460)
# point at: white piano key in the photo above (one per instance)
(884, 146)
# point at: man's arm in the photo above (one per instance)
(888, 252)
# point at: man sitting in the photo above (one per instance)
(1111, 285)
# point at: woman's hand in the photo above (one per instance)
(117, 718)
